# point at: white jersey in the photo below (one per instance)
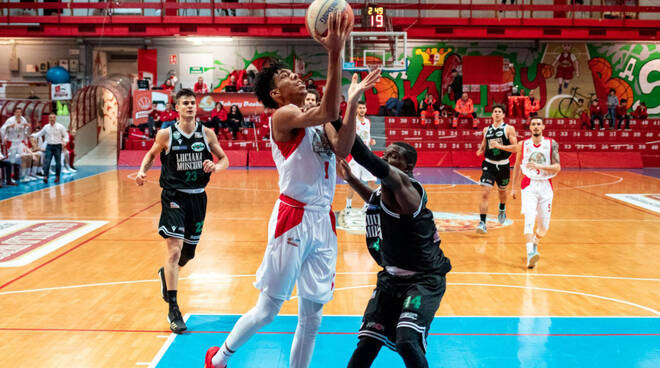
(306, 167)
(363, 130)
(15, 131)
(540, 154)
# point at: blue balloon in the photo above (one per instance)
(58, 75)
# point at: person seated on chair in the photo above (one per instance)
(465, 110)
(596, 112)
(201, 86)
(218, 118)
(231, 87)
(582, 114)
(622, 113)
(428, 109)
(168, 117)
(234, 120)
(640, 112)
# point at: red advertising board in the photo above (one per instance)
(246, 102)
(141, 106)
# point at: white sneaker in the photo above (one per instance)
(532, 258)
(481, 229)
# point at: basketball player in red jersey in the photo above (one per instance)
(302, 242)
(538, 159)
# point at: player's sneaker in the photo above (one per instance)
(176, 320)
(501, 217)
(163, 284)
(481, 229)
(208, 361)
(532, 258)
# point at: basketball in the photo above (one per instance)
(319, 11)
(601, 68)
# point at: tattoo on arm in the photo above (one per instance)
(555, 152)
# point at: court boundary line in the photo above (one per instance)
(216, 277)
(77, 246)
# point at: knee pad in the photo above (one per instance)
(310, 315)
(187, 253)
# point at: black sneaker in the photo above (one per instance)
(176, 321)
(163, 284)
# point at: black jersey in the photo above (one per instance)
(497, 134)
(410, 242)
(182, 162)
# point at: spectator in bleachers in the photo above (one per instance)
(234, 120)
(231, 87)
(612, 104)
(622, 114)
(5, 166)
(200, 86)
(465, 110)
(168, 117)
(167, 85)
(532, 106)
(456, 85)
(153, 120)
(428, 110)
(640, 112)
(408, 107)
(229, 11)
(218, 118)
(246, 87)
(582, 114)
(311, 86)
(71, 150)
(37, 148)
(596, 113)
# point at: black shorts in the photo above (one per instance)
(182, 216)
(492, 173)
(406, 305)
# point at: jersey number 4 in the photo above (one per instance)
(413, 302)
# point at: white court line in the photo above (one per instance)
(650, 310)
(218, 277)
(166, 345)
(465, 176)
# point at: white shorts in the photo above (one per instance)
(302, 248)
(536, 199)
(360, 172)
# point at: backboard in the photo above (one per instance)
(370, 50)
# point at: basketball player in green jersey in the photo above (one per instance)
(186, 151)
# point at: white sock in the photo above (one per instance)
(530, 247)
(262, 314)
(348, 202)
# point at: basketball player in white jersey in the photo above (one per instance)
(302, 243)
(14, 134)
(538, 159)
(363, 130)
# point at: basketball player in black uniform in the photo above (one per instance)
(186, 153)
(402, 238)
(496, 169)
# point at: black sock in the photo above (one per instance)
(483, 217)
(502, 206)
(171, 296)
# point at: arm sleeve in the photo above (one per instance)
(374, 164)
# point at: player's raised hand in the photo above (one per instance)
(339, 28)
(356, 89)
(344, 170)
(208, 166)
(140, 178)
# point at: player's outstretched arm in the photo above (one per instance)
(216, 149)
(342, 140)
(516, 172)
(160, 144)
(362, 189)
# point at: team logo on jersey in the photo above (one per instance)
(197, 146)
(174, 205)
(177, 135)
(354, 221)
(320, 142)
(537, 157)
(499, 133)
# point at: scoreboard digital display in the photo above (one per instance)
(376, 16)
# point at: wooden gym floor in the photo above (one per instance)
(95, 300)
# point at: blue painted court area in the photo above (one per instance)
(453, 342)
(7, 192)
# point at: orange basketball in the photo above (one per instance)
(386, 89)
(316, 18)
(601, 67)
(547, 71)
(622, 89)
